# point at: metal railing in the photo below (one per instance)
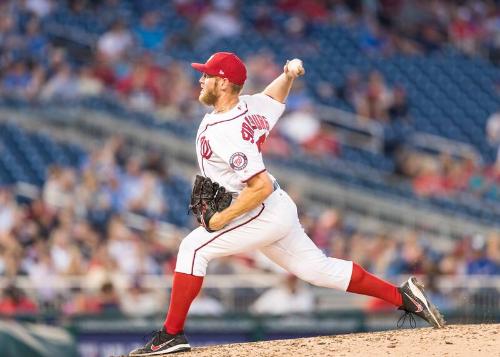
(238, 291)
(354, 130)
(434, 144)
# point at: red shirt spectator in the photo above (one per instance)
(314, 10)
(16, 302)
(143, 78)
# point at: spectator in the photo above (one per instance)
(492, 38)
(411, 258)
(220, 21)
(15, 302)
(8, 211)
(328, 228)
(373, 39)
(140, 301)
(324, 144)
(150, 201)
(59, 189)
(493, 129)
(300, 126)
(263, 20)
(206, 305)
(376, 98)
(352, 90)
(140, 87)
(40, 8)
(262, 69)
(277, 145)
(107, 298)
(88, 85)
(35, 42)
(290, 297)
(428, 181)
(79, 303)
(115, 43)
(16, 81)
(63, 85)
(430, 37)
(480, 261)
(398, 108)
(315, 10)
(150, 33)
(463, 31)
(130, 183)
(175, 92)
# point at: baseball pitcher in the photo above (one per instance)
(240, 205)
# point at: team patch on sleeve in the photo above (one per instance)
(238, 161)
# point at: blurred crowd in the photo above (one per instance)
(85, 223)
(472, 26)
(446, 176)
(132, 56)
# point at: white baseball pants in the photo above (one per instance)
(274, 229)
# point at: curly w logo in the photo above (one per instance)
(205, 149)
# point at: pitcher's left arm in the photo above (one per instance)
(257, 190)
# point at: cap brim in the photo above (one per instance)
(200, 67)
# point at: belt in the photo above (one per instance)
(276, 186)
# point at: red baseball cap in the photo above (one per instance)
(224, 65)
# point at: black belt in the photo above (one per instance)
(275, 185)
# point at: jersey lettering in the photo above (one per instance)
(260, 142)
(252, 123)
(247, 132)
(205, 149)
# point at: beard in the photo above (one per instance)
(207, 97)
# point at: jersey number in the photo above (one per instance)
(261, 141)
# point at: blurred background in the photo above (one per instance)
(389, 145)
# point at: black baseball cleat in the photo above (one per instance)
(416, 302)
(163, 343)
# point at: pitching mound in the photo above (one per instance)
(454, 340)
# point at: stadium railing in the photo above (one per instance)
(237, 291)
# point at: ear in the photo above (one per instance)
(224, 84)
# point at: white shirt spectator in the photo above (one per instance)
(7, 216)
(64, 84)
(206, 305)
(300, 126)
(40, 7)
(115, 42)
(291, 297)
(58, 191)
(124, 252)
(139, 302)
(493, 129)
(61, 257)
(220, 24)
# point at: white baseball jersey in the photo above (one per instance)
(228, 145)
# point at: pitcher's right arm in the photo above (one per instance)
(279, 88)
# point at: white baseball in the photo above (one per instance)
(296, 67)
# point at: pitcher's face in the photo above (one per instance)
(209, 89)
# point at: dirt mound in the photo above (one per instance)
(454, 340)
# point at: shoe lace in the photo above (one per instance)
(153, 336)
(407, 315)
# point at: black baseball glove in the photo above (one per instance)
(207, 198)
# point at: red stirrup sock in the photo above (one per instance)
(185, 288)
(365, 283)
